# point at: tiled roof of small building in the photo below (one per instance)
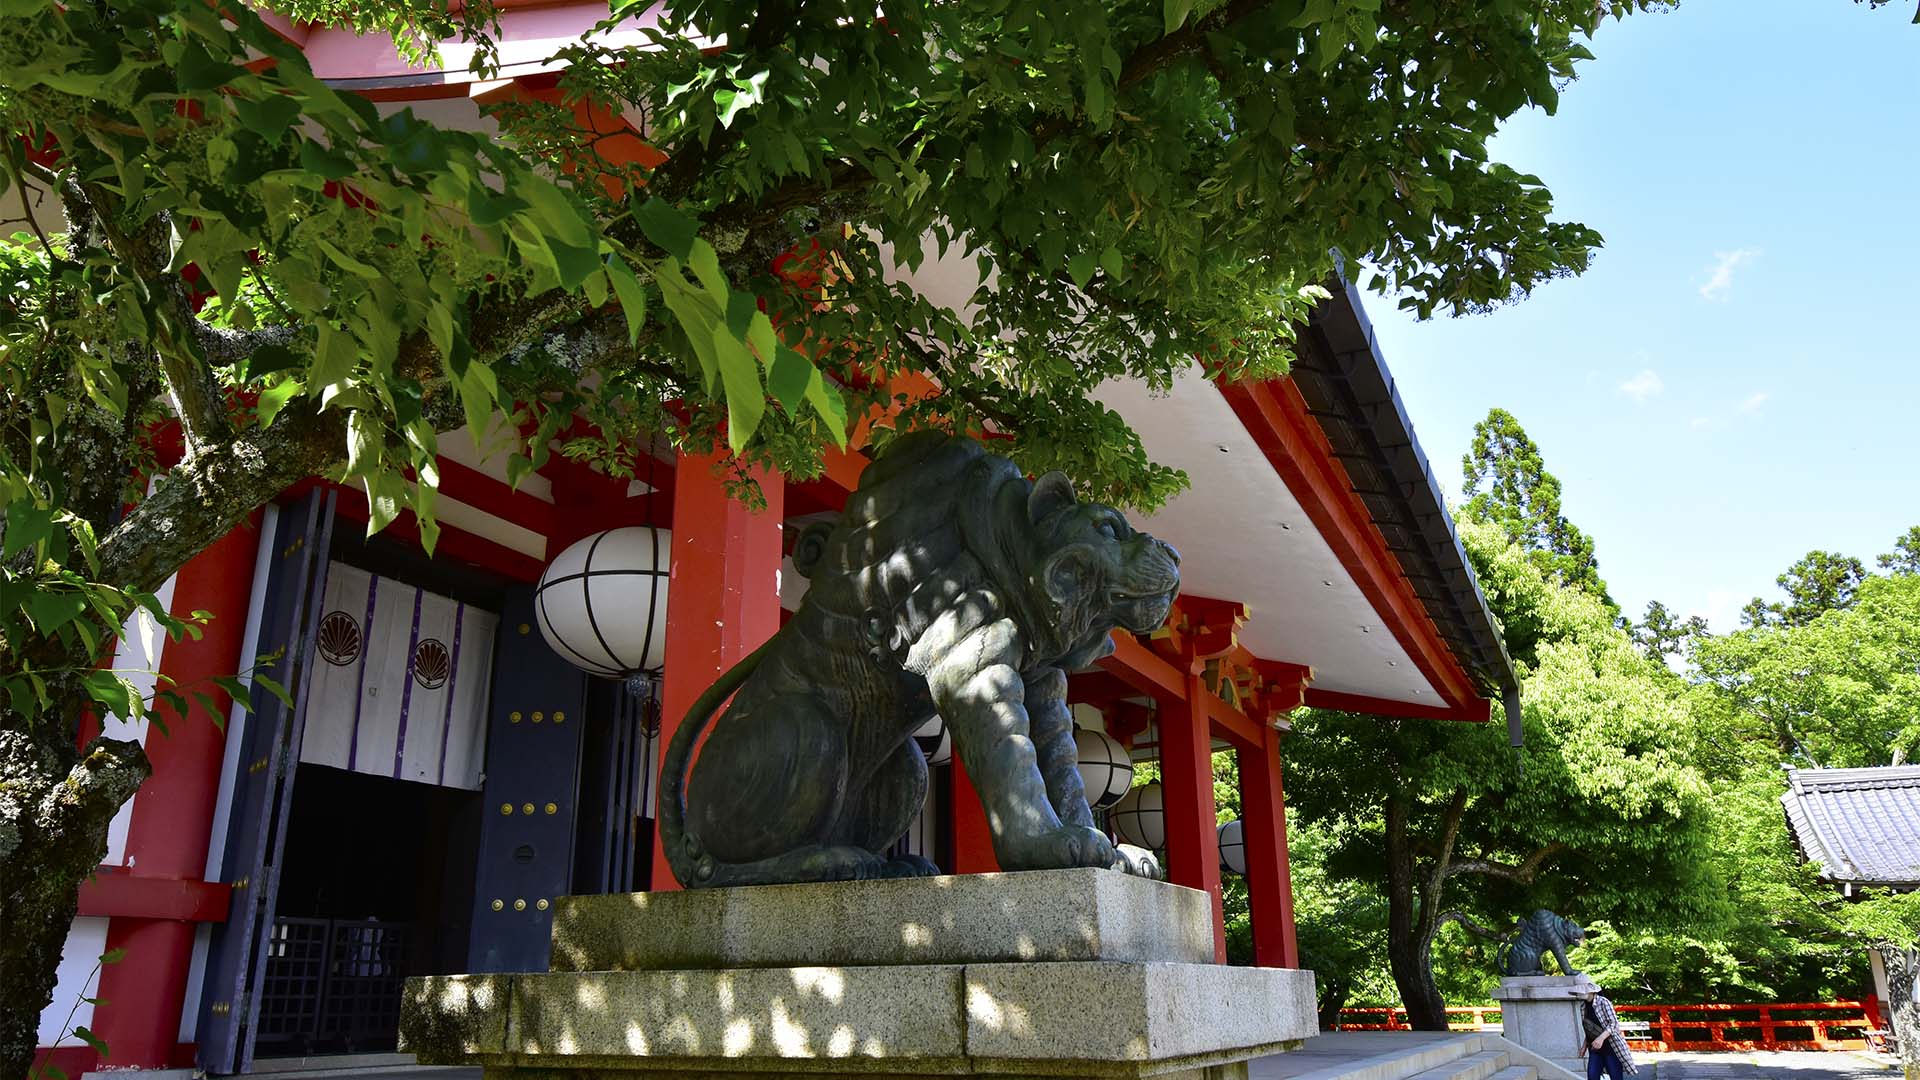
(1861, 826)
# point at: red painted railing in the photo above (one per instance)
(1819, 1025)
(1459, 1018)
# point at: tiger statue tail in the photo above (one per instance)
(693, 866)
(684, 852)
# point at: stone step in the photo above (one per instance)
(1517, 1072)
(1476, 1066)
(1370, 1055)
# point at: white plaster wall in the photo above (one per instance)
(86, 940)
(142, 643)
(196, 976)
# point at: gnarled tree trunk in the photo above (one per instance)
(1414, 915)
(55, 804)
(1410, 930)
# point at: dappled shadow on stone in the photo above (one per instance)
(1055, 972)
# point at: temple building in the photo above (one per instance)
(445, 772)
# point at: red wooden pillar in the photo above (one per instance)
(1186, 768)
(723, 592)
(172, 819)
(1269, 881)
(972, 839)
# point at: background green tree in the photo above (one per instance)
(1905, 556)
(1837, 691)
(1818, 582)
(1602, 816)
(1663, 635)
(1840, 690)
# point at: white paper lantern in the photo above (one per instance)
(936, 742)
(1140, 817)
(1233, 847)
(1106, 771)
(602, 603)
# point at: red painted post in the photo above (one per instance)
(1186, 768)
(972, 839)
(723, 592)
(172, 818)
(1269, 880)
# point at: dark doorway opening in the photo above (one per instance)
(376, 885)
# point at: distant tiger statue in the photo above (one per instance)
(1538, 934)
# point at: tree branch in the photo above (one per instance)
(198, 401)
(1522, 873)
(1456, 810)
(211, 492)
(1456, 915)
(222, 347)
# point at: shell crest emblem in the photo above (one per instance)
(431, 664)
(339, 642)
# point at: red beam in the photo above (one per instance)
(1231, 724)
(1143, 670)
(116, 891)
(726, 596)
(154, 907)
(1186, 768)
(1476, 710)
(1276, 416)
(1269, 877)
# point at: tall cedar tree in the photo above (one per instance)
(1508, 484)
(1819, 582)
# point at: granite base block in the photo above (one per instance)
(1542, 1013)
(1092, 1018)
(964, 919)
(1041, 974)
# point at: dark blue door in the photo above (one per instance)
(263, 787)
(535, 717)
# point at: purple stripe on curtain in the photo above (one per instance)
(406, 690)
(360, 684)
(453, 684)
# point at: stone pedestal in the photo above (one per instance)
(1048, 973)
(1542, 1013)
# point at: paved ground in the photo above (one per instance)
(1745, 1065)
(1766, 1065)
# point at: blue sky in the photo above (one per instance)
(1734, 382)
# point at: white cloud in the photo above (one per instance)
(1643, 386)
(1704, 423)
(1754, 401)
(1720, 278)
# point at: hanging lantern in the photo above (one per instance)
(1106, 770)
(936, 742)
(1233, 847)
(1140, 816)
(602, 603)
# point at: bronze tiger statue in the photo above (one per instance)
(1533, 938)
(950, 584)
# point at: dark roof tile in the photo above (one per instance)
(1861, 826)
